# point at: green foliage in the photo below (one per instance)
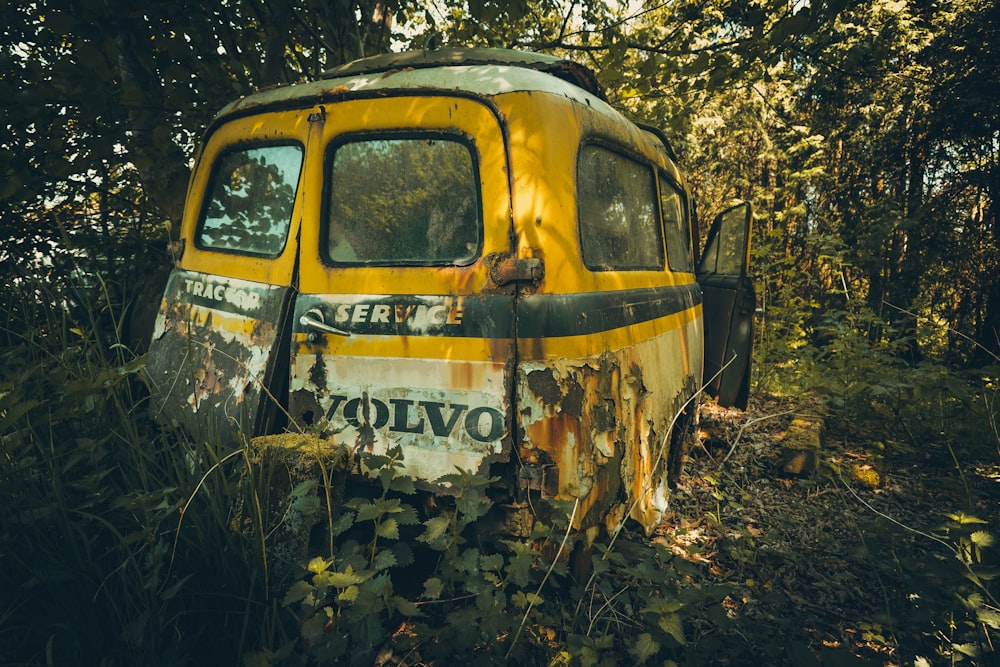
(950, 583)
(91, 491)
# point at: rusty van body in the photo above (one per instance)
(466, 254)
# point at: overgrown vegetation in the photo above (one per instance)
(120, 542)
(863, 132)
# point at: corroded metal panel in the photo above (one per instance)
(598, 424)
(428, 374)
(212, 353)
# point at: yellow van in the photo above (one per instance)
(467, 254)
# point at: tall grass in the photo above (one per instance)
(96, 565)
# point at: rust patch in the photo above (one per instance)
(572, 403)
(542, 384)
(263, 333)
(366, 432)
(317, 372)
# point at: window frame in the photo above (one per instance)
(209, 190)
(652, 172)
(340, 140)
(664, 178)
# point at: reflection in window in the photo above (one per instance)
(250, 203)
(619, 228)
(403, 201)
(676, 228)
(725, 252)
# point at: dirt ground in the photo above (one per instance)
(840, 557)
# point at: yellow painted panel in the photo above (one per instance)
(436, 113)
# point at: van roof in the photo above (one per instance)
(477, 70)
(567, 70)
(484, 71)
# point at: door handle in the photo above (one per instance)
(315, 320)
(516, 269)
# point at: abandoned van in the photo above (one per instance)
(468, 255)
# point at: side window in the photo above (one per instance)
(412, 200)
(250, 199)
(619, 228)
(676, 228)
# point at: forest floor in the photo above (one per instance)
(849, 562)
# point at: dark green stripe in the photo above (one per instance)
(489, 316)
(549, 315)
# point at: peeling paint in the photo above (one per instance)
(207, 366)
(601, 420)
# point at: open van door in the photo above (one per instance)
(729, 301)
(220, 332)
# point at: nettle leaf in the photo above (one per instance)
(403, 553)
(312, 629)
(403, 485)
(964, 519)
(306, 504)
(645, 647)
(982, 539)
(407, 516)
(343, 523)
(384, 560)
(436, 527)
(468, 561)
(349, 594)
(491, 562)
(672, 625)
(297, 593)
(432, 589)
(367, 511)
(988, 617)
(388, 529)
(304, 488)
(519, 567)
(318, 564)
(404, 606)
(663, 606)
(520, 600)
(344, 579)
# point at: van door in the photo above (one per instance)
(728, 306)
(219, 333)
(403, 334)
